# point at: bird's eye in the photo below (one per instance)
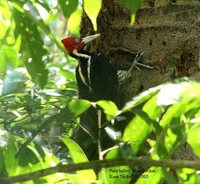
(77, 39)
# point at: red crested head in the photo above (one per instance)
(73, 43)
(76, 43)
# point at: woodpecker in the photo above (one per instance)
(97, 79)
(96, 74)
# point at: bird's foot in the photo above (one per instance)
(136, 63)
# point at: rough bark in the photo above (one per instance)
(167, 31)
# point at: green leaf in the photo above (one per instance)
(68, 7)
(136, 132)
(78, 156)
(133, 5)
(2, 167)
(113, 153)
(32, 48)
(169, 176)
(167, 140)
(173, 93)
(109, 107)
(170, 139)
(75, 150)
(187, 175)
(92, 8)
(9, 153)
(194, 138)
(139, 128)
(5, 18)
(146, 118)
(8, 58)
(67, 74)
(27, 157)
(14, 82)
(141, 98)
(79, 106)
(185, 99)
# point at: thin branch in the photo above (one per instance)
(99, 134)
(143, 162)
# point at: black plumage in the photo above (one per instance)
(101, 81)
(97, 80)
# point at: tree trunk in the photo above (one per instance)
(167, 31)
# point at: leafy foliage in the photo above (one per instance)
(159, 129)
(39, 108)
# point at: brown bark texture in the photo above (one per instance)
(167, 31)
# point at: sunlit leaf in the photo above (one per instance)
(8, 58)
(78, 156)
(171, 135)
(140, 127)
(185, 99)
(177, 110)
(170, 140)
(141, 98)
(75, 150)
(136, 132)
(172, 93)
(10, 160)
(92, 8)
(187, 175)
(194, 139)
(109, 107)
(5, 17)
(79, 106)
(146, 118)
